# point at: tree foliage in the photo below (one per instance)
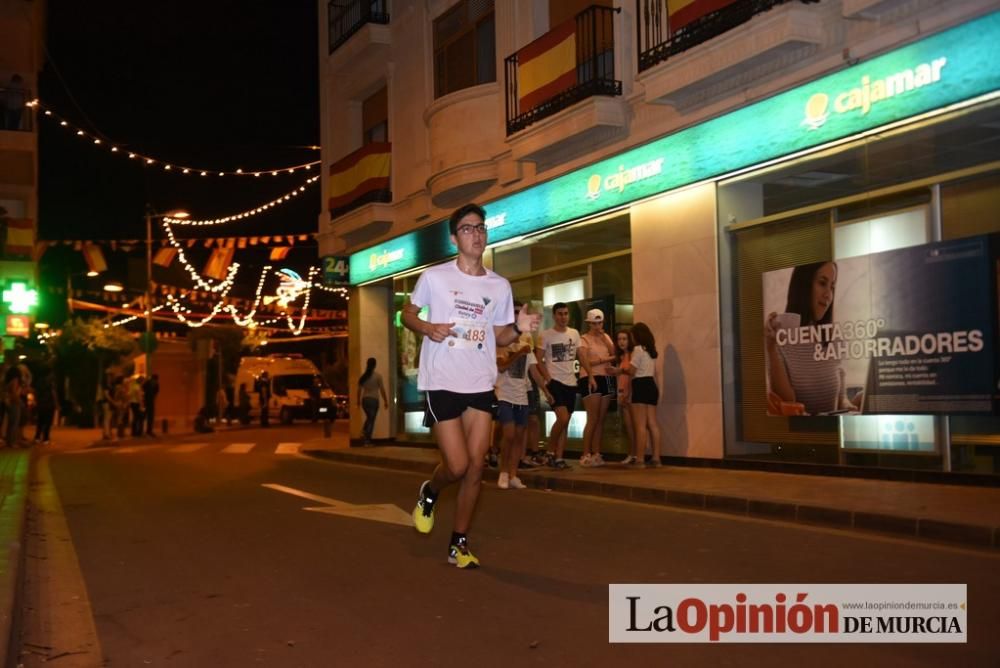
(84, 349)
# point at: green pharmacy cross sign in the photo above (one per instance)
(19, 298)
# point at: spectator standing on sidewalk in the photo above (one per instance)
(645, 392)
(244, 405)
(150, 389)
(470, 315)
(597, 355)
(514, 364)
(221, 406)
(556, 356)
(120, 395)
(135, 404)
(45, 403)
(106, 406)
(12, 402)
(370, 386)
(263, 388)
(623, 354)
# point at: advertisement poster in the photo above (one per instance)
(904, 331)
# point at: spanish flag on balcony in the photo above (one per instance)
(547, 66)
(20, 238)
(683, 12)
(360, 173)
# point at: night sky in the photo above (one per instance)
(218, 84)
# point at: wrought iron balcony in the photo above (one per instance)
(346, 17)
(658, 40)
(570, 63)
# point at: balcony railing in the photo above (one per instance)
(570, 63)
(658, 40)
(346, 17)
(15, 114)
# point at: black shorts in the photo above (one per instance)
(533, 404)
(562, 395)
(603, 387)
(644, 391)
(442, 405)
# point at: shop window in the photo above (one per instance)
(375, 118)
(968, 208)
(464, 47)
(883, 433)
(897, 230)
(758, 250)
(569, 291)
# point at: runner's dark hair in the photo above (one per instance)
(462, 212)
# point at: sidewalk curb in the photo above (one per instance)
(897, 526)
(13, 524)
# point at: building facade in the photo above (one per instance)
(658, 159)
(21, 59)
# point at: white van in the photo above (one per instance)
(291, 377)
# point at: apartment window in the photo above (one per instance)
(375, 118)
(464, 47)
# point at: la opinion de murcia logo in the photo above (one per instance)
(869, 93)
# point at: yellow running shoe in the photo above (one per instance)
(459, 555)
(423, 514)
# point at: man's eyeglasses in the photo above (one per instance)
(469, 230)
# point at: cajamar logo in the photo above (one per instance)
(383, 259)
(616, 181)
(869, 93)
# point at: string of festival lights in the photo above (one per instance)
(243, 214)
(166, 165)
(225, 284)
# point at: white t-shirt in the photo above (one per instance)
(643, 363)
(513, 383)
(559, 351)
(464, 363)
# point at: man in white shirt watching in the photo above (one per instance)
(556, 354)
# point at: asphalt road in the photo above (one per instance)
(189, 560)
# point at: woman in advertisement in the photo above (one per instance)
(798, 383)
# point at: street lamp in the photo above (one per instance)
(69, 287)
(150, 214)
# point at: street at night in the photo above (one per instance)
(190, 558)
(499, 333)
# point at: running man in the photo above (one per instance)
(556, 354)
(470, 315)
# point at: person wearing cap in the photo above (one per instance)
(556, 355)
(597, 356)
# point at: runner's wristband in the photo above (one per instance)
(516, 330)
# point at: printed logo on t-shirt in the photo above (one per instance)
(563, 352)
(518, 368)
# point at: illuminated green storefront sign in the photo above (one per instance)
(947, 68)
